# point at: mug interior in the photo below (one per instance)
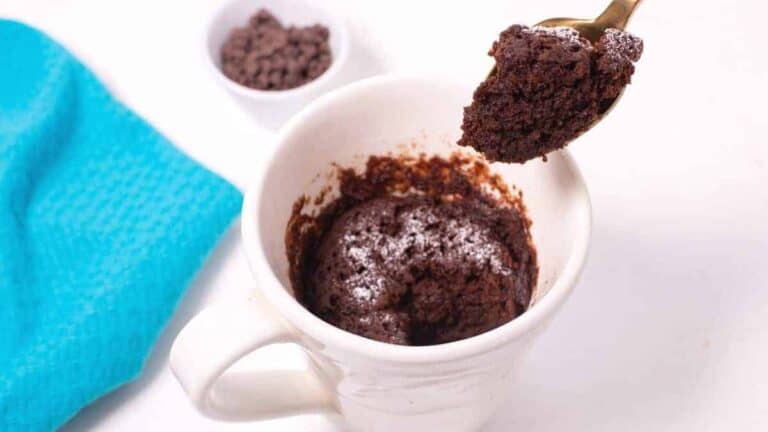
(388, 115)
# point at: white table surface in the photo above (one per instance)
(668, 329)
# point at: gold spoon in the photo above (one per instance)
(616, 15)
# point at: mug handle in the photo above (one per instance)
(216, 339)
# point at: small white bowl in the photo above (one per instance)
(271, 108)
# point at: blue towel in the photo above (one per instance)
(103, 223)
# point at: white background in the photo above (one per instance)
(668, 329)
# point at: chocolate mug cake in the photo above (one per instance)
(415, 252)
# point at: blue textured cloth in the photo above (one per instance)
(103, 223)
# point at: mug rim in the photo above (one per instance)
(308, 323)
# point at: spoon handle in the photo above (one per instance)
(617, 14)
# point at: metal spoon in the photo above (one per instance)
(616, 15)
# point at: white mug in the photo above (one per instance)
(377, 386)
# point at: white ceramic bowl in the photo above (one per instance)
(377, 387)
(272, 108)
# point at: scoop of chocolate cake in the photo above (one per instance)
(548, 86)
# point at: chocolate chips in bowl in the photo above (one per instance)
(275, 56)
(266, 55)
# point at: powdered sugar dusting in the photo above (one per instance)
(367, 283)
(375, 255)
(621, 46)
(567, 34)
